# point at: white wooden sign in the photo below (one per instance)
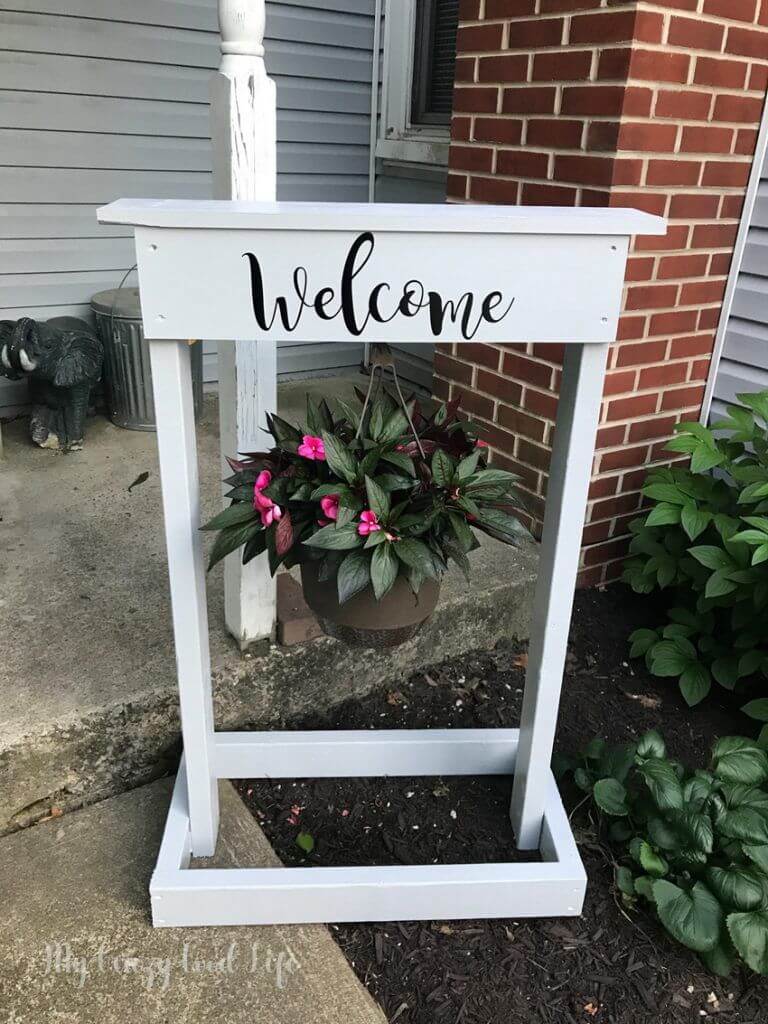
(330, 272)
(335, 272)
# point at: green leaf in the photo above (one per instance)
(667, 659)
(400, 461)
(663, 514)
(737, 759)
(442, 468)
(718, 585)
(726, 671)
(757, 709)
(610, 796)
(745, 824)
(750, 537)
(353, 576)
(662, 781)
(693, 918)
(583, 780)
(695, 520)
(462, 530)
(415, 554)
(595, 749)
(624, 881)
(721, 959)
(758, 855)
(617, 761)
(231, 539)
(378, 499)
(305, 842)
(651, 744)
(384, 567)
(644, 887)
(704, 459)
(694, 828)
(642, 640)
(340, 460)
(736, 887)
(665, 492)
(663, 835)
(282, 431)
(468, 465)
(487, 478)
(749, 934)
(394, 427)
(651, 862)
(236, 515)
(500, 525)
(712, 557)
(695, 683)
(750, 662)
(254, 547)
(333, 538)
(760, 555)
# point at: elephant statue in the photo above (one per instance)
(61, 358)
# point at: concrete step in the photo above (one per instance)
(78, 947)
(88, 674)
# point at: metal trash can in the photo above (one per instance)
(127, 372)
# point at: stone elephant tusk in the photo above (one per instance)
(27, 364)
(4, 358)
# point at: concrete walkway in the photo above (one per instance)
(76, 945)
(87, 676)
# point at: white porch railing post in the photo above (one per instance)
(244, 138)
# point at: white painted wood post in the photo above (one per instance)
(244, 138)
(570, 472)
(174, 410)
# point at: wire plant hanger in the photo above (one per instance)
(381, 359)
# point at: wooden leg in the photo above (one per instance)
(570, 473)
(247, 392)
(172, 386)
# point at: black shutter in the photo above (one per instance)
(434, 61)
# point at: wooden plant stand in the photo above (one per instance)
(528, 274)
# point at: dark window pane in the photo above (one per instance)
(434, 61)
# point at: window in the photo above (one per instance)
(417, 85)
(434, 61)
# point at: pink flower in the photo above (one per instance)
(271, 515)
(330, 506)
(269, 511)
(312, 448)
(369, 523)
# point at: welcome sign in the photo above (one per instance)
(328, 272)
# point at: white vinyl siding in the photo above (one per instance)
(744, 362)
(111, 99)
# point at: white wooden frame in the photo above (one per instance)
(205, 242)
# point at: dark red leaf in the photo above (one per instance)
(284, 534)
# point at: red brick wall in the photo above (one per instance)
(591, 103)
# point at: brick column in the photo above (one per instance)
(591, 103)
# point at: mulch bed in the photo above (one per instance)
(611, 964)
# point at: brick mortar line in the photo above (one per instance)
(596, 13)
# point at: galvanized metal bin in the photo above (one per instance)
(127, 372)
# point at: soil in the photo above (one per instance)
(613, 964)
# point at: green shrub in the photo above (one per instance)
(692, 844)
(705, 542)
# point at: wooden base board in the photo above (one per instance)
(185, 897)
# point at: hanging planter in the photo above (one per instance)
(372, 502)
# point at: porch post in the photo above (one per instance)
(244, 139)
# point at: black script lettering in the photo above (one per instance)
(348, 275)
(467, 311)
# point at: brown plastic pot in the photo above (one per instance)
(363, 621)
